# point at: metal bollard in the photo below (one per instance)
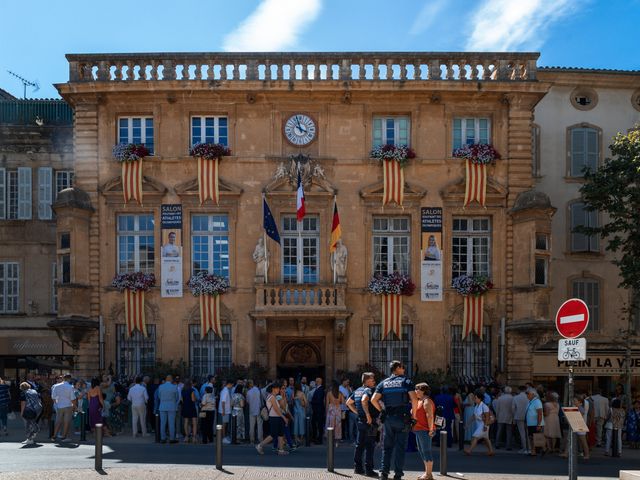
(98, 452)
(218, 447)
(307, 440)
(51, 426)
(443, 452)
(83, 426)
(234, 429)
(330, 450)
(461, 433)
(614, 443)
(157, 428)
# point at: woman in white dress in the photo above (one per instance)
(480, 427)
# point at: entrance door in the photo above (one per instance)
(297, 372)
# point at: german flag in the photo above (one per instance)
(336, 231)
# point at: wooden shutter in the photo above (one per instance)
(377, 132)
(592, 148)
(24, 193)
(3, 193)
(577, 151)
(578, 217)
(45, 193)
(594, 245)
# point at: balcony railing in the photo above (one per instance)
(295, 298)
(347, 66)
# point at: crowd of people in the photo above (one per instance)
(284, 414)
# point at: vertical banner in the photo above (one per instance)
(431, 254)
(171, 251)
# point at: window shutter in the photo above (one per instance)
(577, 151)
(457, 133)
(594, 245)
(377, 132)
(578, 217)
(45, 175)
(24, 193)
(403, 131)
(592, 149)
(3, 194)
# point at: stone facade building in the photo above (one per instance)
(300, 320)
(36, 164)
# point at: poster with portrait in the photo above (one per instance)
(171, 251)
(431, 254)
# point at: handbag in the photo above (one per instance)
(539, 440)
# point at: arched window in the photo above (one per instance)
(580, 216)
(584, 149)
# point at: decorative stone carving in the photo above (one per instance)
(309, 169)
(261, 259)
(340, 328)
(301, 326)
(339, 262)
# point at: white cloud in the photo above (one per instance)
(427, 16)
(507, 25)
(273, 26)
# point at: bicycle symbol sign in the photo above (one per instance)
(572, 349)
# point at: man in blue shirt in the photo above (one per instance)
(367, 423)
(398, 395)
(168, 398)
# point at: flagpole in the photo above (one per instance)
(264, 241)
(330, 246)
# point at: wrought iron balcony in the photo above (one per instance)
(298, 298)
(321, 66)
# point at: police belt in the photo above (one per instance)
(397, 411)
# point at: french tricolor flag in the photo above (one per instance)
(300, 200)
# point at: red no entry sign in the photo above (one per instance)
(572, 318)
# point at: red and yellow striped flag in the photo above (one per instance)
(476, 187)
(336, 230)
(132, 180)
(134, 311)
(208, 179)
(391, 315)
(393, 182)
(210, 315)
(472, 315)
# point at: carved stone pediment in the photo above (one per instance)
(317, 186)
(453, 193)
(374, 311)
(225, 187)
(372, 194)
(150, 188)
(193, 314)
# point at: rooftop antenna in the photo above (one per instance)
(26, 83)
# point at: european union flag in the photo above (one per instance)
(268, 223)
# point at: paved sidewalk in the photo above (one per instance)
(242, 473)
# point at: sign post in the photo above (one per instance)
(572, 320)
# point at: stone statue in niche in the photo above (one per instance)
(260, 257)
(339, 261)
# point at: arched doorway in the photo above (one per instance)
(301, 358)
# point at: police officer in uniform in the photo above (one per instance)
(399, 397)
(358, 403)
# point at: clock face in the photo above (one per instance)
(300, 130)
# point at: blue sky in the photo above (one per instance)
(35, 35)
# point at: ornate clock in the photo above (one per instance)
(300, 130)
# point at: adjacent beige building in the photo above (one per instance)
(574, 125)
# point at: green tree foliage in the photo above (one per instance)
(614, 190)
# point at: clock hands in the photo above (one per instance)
(303, 130)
